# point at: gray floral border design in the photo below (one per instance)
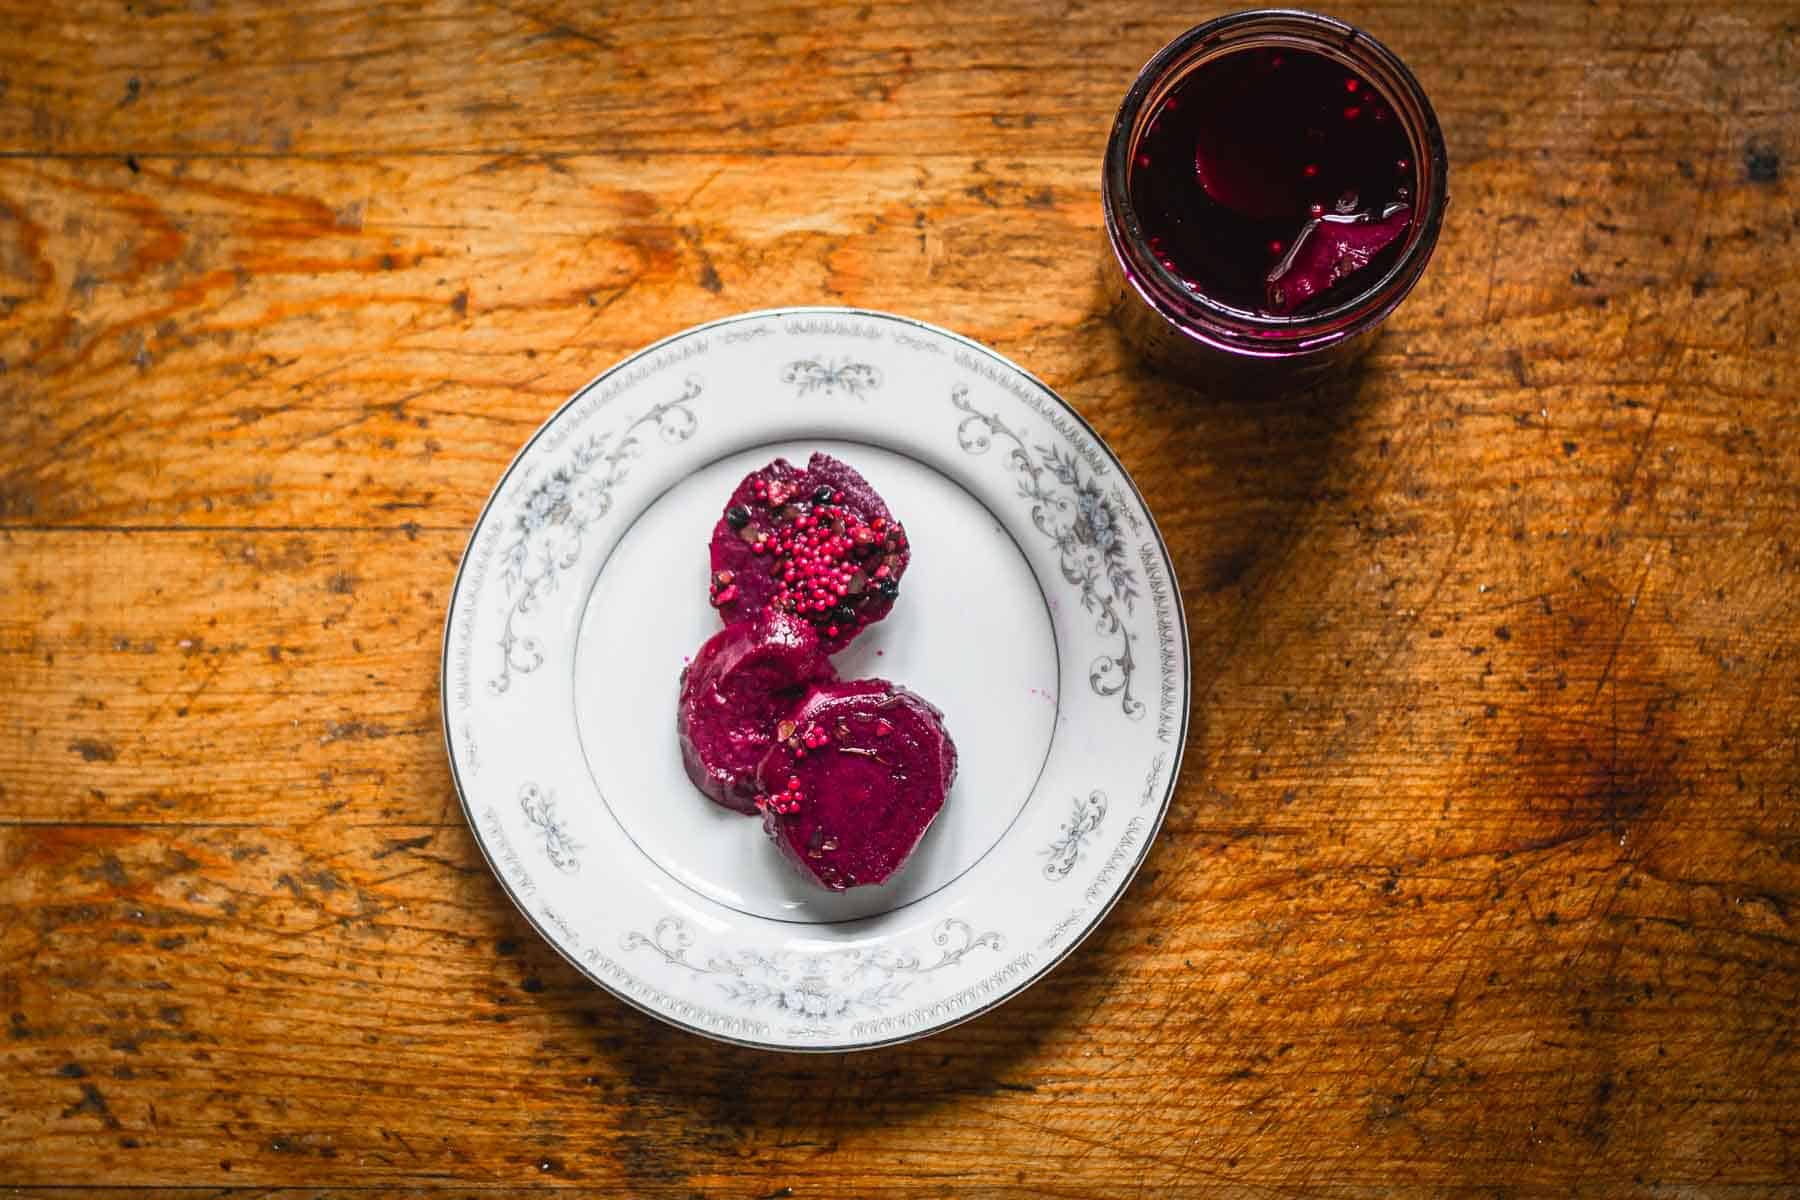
(1125, 508)
(1165, 641)
(831, 375)
(1128, 842)
(471, 751)
(1090, 545)
(630, 987)
(813, 988)
(1068, 921)
(508, 864)
(557, 511)
(1014, 383)
(993, 988)
(828, 324)
(559, 847)
(1066, 850)
(924, 345)
(1150, 778)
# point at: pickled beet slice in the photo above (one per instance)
(1330, 249)
(1249, 175)
(746, 679)
(816, 542)
(857, 779)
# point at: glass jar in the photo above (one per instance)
(1174, 324)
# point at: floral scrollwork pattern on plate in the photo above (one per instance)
(831, 376)
(670, 938)
(813, 987)
(1081, 521)
(558, 510)
(1066, 850)
(927, 345)
(750, 334)
(540, 809)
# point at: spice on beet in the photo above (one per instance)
(856, 779)
(817, 542)
(736, 696)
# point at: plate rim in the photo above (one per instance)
(1128, 873)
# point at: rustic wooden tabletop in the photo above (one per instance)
(1484, 871)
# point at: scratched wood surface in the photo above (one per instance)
(1484, 872)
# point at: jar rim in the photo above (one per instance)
(1224, 326)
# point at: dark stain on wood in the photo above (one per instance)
(93, 750)
(1762, 161)
(1228, 569)
(400, 845)
(92, 1103)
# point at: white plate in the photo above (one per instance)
(1039, 612)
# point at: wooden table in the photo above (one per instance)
(1484, 872)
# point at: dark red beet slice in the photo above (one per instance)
(817, 542)
(746, 679)
(1248, 173)
(859, 777)
(1329, 249)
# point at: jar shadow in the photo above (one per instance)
(1237, 472)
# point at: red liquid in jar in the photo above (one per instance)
(1275, 181)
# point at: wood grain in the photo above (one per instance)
(238, 342)
(1016, 79)
(1483, 873)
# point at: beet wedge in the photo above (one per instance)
(745, 681)
(816, 542)
(858, 774)
(1329, 250)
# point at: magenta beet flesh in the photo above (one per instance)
(746, 679)
(817, 543)
(1329, 250)
(859, 774)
